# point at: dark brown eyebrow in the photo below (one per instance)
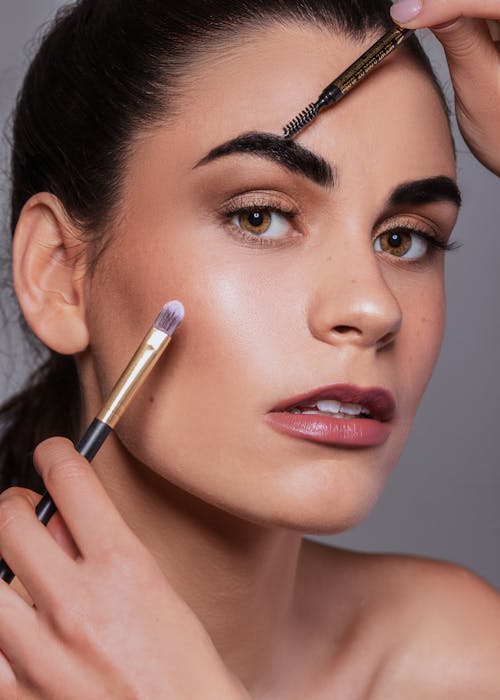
(299, 159)
(426, 191)
(289, 154)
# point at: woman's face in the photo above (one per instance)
(290, 283)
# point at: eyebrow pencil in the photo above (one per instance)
(130, 381)
(358, 70)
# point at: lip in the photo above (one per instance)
(377, 400)
(342, 432)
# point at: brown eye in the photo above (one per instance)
(402, 242)
(255, 220)
(263, 222)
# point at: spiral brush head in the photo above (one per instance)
(301, 120)
(351, 77)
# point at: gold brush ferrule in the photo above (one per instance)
(370, 59)
(134, 375)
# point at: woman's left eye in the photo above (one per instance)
(402, 242)
(260, 221)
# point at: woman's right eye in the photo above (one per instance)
(262, 222)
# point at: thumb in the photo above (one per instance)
(465, 29)
(468, 45)
(473, 60)
(469, 36)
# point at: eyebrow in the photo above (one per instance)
(286, 153)
(298, 159)
(426, 191)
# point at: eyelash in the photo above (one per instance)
(435, 244)
(252, 238)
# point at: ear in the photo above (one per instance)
(49, 275)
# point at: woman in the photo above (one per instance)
(146, 167)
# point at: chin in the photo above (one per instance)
(339, 515)
(327, 505)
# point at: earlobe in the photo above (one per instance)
(48, 275)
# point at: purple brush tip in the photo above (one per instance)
(169, 317)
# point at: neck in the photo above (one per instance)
(237, 577)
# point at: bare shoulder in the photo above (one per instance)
(438, 624)
(450, 643)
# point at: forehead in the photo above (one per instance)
(260, 79)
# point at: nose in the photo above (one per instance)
(352, 303)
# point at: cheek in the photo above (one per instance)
(215, 368)
(421, 340)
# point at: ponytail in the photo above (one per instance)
(48, 406)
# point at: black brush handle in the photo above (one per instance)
(88, 447)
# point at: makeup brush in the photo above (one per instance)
(132, 378)
(336, 90)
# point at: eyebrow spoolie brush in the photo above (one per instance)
(132, 378)
(336, 90)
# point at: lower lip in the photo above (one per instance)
(344, 432)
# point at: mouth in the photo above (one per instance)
(341, 415)
(342, 401)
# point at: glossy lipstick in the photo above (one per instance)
(371, 431)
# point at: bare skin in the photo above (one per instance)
(377, 627)
(216, 495)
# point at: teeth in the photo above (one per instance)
(352, 409)
(329, 407)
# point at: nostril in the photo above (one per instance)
(343, 329)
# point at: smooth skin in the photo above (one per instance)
(175, 567)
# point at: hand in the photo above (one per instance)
(105, 623)
(469, 31)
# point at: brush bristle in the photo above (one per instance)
(301, 120)
(169, 317)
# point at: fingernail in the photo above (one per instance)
(405, 10)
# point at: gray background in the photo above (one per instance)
(442, 500)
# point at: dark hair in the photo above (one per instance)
(102, 72)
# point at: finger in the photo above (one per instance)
(494, 29)
(32, 554)
(8, 681)
(473, 62)
(56, 525)
(90, 515)
(467, 39)
(20, 634)
(27, 646)
(429, 13)
(471, 53)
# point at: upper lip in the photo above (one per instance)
(377, 400)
